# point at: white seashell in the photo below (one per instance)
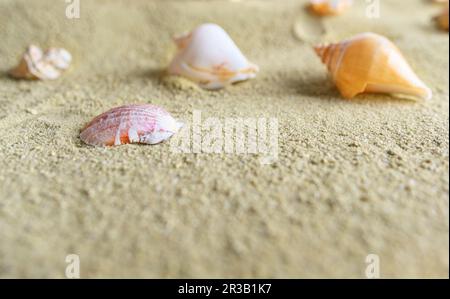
(44, 66)
(209, 57)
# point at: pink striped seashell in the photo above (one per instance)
(138, 123)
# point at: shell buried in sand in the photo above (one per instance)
(139, 123)
(209, 57)
(370, 63)
(36, 64)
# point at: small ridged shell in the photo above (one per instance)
(44, 66)
(138, 123)
(209, 57)
(329, 7)
(369, 62)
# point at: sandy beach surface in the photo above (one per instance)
(352, 178)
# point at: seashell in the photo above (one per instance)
(442, 19)
(368, 63)
(58, 57)
(44, 66)
(209, 57)
(329, 7)
(138, 123)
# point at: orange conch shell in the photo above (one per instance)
(329, 7)
(368, 63)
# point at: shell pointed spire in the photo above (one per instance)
(209, 57)
(370, 63)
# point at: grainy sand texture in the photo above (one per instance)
(353, 177)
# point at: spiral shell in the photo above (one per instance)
(138, 123)
(209, 57)
(369, 62)
(329, 7)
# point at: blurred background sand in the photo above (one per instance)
(353, 177)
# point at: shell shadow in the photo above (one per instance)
(323, 89)
(381, 99)
(311, 86)
(154, 74)
(4, 75)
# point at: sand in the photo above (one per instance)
(359, 177)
